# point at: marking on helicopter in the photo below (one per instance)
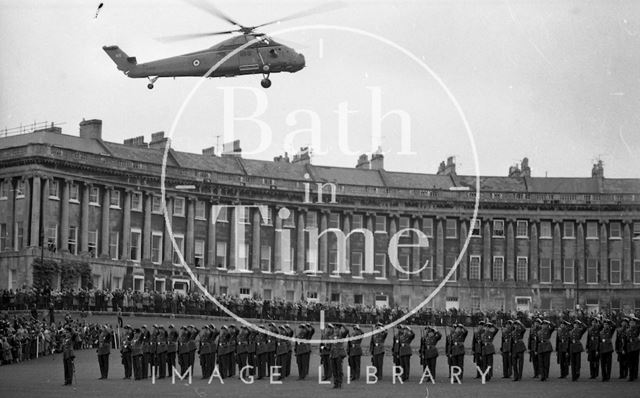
(196, 62)
(249, 67)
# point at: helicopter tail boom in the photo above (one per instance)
(124, 62)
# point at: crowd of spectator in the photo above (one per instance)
(129, 301)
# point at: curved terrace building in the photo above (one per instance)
(255, 228)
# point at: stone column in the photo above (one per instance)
(324, 254)
(211, 238)
(277, 244)
(64, 216)
(487, 258)
(36, 197)
(47, 206)
(12, 233)
(440, 247)
(190, 244)
(393, 229)
(104, 235)
(167, 256)
(233, 245)
(580, 252)
(627, 264)
(126, 226)
(557, 251)
(604, 252)
(464, 263)
(84, 219)
(369, 222)
(511, 251)
(255, 240)
(146, 231)
(534, 254)
(346, 228)
(300, 247)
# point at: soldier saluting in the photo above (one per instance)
(544, 348)
(404, 351)
(575, 348)
(428, 349)
(518, 349)
(354, 350)
(488, 348)
(125, 352)
(104, 349)
(376, 348)
(593, 335)
(302, 351)
(621, 343)
(337, 354)
(605, 349)
(70, 338)
(505, 349)
(562, 347)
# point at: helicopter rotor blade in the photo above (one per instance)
(326, 7)
(187, 36)
(213, 10)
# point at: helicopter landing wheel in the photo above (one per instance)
(150, 86)
(266, 83)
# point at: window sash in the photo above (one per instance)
(114, 242)
(136, 201)
(592, 230)
(615, 229)
(569, 230)
(265, 258)
(636, 272)
(221, 255)
(380, 265)
(498, 268)
(94, 195)
(156, 247)
(54, 189)
(114, 199)
(474, 268)
(74, 192)
(72, 240)
(334, 220)
(357, 221)
(135, 252)
(175, 258)
(615, 274)
(569, 271)
(498, 228)
(592, 271)
(522, 229)
(522, 269)
(178, 207)
(381, 224)
(452, 229)
(356, 264)
(545, 270)
(200, 210)
(311, 219)
(545, 229)
(427, 227)
(198, 253)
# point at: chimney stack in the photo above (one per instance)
(211, 151)
(136, 141)
(232, 149)
(447, 169)
(363, 162)
(281, 158)
(377, 160)
(158, 140)
(91, 129)
(302, 157)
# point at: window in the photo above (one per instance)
(522, 229)
(312, 220)
(592, 271)
(243, 214)
(156, 247)
(19, 235)
(636, 230)
(404, 224)
(114, 240)
(569, 270)
(4, 189)
(615, 271)
(198, 253)
(200, 210)
(72, 240)
(545, 270)
(54, 189)
(20, 189)
(92, 243)
(156, 204)
(449, 261)
(592, 230)
(356, 223)
(243, 257)
(4, 238)
(451, 303)
(427, 272)
(223, 215)
(221, 255)
(136, 237)
(569, 230)
(245, 292)
(615, 230)
(545, 229)
(498, 268)
(289, 295)
(498, 228)
(136, 201)
(381, 224)
(94, 196)
(427, 227)
(474, 268)
(180, 249)
(178, 206)
(265, 258)
(522, 269)
(74, 192)
(114, 200)
(334, 220)
(475, 303)
(476, 229)
(356, 264)
(312, 296)
(333, 262)
(380, 265)
(335, 297)
(357, 299)
(452, 228)
(52, 237)
(636, 272)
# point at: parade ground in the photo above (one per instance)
(43, 377)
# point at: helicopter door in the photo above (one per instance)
(249, 61)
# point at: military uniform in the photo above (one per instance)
(476, 348)
(224, 357)
(404, 351)
(593, 336)
(261, 355)
(104, 349)
(137, 353)
(125, 352)
(161, 352)
(457, 347)
(303, 350)
(172, 348)
(428, 349)
(282, 350)
(605, 349)
(518, 349)
(325, 352)
(183, 350)
(533, 346)
(204, 350)
(376, 348)
(544, 349)
(488, 349)
(68, 355)
(620, 346)
(633, 347)
(562, 348)
(505, 349)
(575, 348)
(242, 348)
(146, 351)
(354, 350)
(337, 354)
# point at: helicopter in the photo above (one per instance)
(264, 56)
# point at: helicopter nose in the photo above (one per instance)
(300, 62)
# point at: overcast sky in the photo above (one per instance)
(556, 81)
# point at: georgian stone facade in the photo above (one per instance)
(539, 242)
